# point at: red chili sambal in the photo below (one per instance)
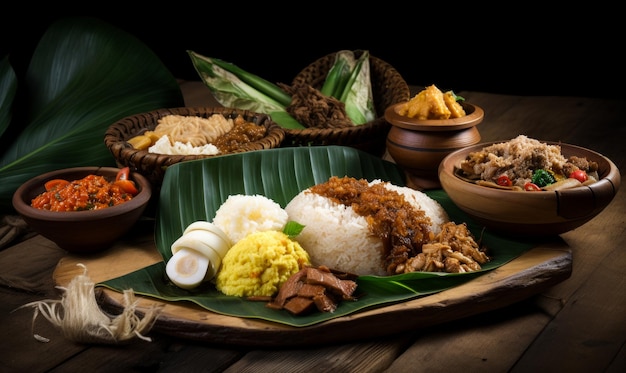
(93, 192)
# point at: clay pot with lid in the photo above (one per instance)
(418, 146)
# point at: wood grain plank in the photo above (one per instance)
(352, 357)
(521, 278)
(591, 329)
(26, 277)
(490, 342)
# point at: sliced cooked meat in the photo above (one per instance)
(312, 288)
(324, 303)
(289, 289)
(345, 288)
(300, 305)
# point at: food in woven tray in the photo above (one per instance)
(377, 229)
(190, 135)
(312, 108)
(432, 103)
(345, 98)
(527, 164)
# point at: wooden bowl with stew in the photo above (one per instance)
(527, 212)
(91, 215)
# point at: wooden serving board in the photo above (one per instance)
(529, 274)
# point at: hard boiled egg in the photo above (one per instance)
(197, 254)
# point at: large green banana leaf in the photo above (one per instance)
(8, 87)
(83, 76)
(195, 190)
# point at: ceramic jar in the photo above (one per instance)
(418, 146)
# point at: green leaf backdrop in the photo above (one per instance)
(83, 76)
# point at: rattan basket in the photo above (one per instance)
(153, 165)
(388, 87)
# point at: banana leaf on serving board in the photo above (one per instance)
(194, 191)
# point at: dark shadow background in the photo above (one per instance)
(521, 51)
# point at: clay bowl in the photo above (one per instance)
(418, 146)
(524, 213)
(86, 231)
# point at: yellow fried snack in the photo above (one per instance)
(456, 110)
(144, 141)
(431, 103)
(140, 142)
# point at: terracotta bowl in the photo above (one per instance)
(418, 146)
(526, 213)
(81, 231)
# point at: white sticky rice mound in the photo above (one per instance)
(164, 146)
(241, 215)
(336, 236)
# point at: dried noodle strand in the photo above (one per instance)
(80, 319)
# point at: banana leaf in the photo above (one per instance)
(195, 190)
(339, 74)
(8, 87)
(235, 87)
(231, 91)
(357, 94)
(83, 76)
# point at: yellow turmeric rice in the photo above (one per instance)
(259, 264)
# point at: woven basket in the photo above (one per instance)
(388, 87)
(152, 165)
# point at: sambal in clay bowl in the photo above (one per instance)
(425, 129)
(502, 186)
(83, 209)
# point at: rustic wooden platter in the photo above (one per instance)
(536, 270)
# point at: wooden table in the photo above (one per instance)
(578, 325)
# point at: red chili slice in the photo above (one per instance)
(127, 186)
(579, 175)
(55, 184)
(123, 181)
(504, 180)
(531, 187)
(123, 174)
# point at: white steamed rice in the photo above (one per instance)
(164, 146)
(241, 215)
(336, 236)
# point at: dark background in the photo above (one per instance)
(522, 51)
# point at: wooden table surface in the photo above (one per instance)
(577, 325)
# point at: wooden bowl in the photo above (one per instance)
(87, 231)
(418, 146)
(526, 213)
(153, 166)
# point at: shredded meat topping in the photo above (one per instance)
(453, 250)
(313, 109)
